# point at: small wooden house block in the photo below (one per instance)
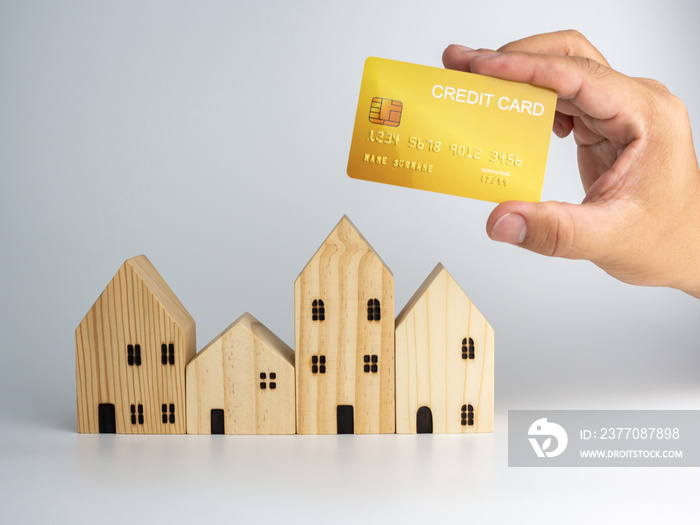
(344, 336)
(131, 352)
(444, 361)
(242, 383)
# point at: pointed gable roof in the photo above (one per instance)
(160, 289)
(153, 281)
(439, 274)
(347, 237)
(261, 332)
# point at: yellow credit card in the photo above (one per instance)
(451, 132)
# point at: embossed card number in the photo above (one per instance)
(451, 132)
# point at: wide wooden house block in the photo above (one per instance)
(242, 383)
(131, 352)
(344, 335)
(444, 361)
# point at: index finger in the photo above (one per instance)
(567, 43)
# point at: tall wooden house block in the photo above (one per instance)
(242, 383)
(344, 336)
(444, 361)
(131, 352)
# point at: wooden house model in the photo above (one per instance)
(444, 361)
(131, 352)
(242, 383)
(344, 337)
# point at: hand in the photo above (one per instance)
(640, 218)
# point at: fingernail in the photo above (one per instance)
(510, 228)
(463, 49)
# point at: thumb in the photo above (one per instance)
(557, 229)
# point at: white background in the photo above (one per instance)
(213, 137)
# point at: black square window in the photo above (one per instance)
(273, 375)
(322, 369)
(318, 310)
(374, 359)
(133, 355)
(314, 359)
(262, 375)
(373, 310)
(314, 369)
(168, 413)
(322, 359)
(167, 354)
(467, 415)
(134, 418)
(467, 348)
(273, 385)
(263, 386)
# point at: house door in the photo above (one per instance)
(217, 421)
(424, 421)
(346, 421)
(106, 418)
